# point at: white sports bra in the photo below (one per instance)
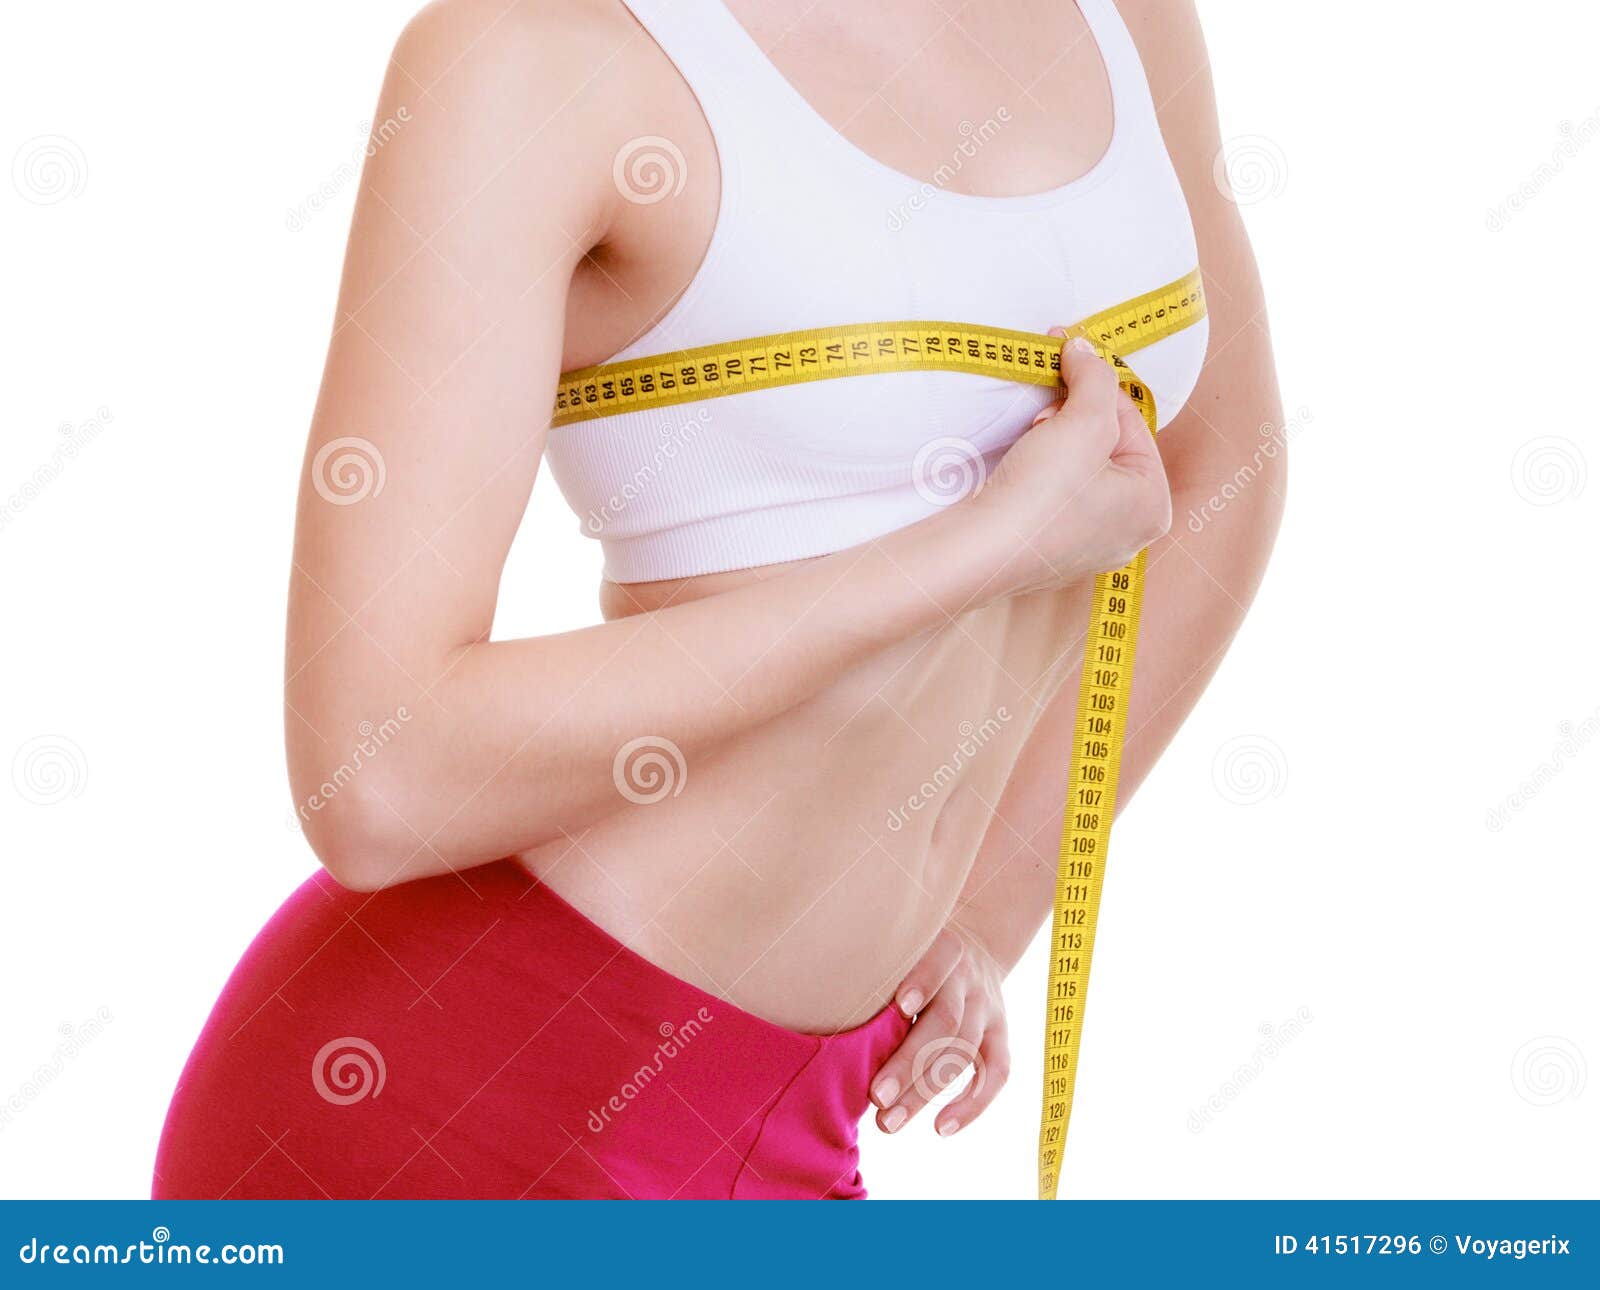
(816, 233)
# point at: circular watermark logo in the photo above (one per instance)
(1250, 168)
(347, 1070)
(939, 1064)
(649, 770)
(349, 470)
(946, 470)
(1249, 769)
(649, 169)
(48, 770)
(49, 169)
(1548, 470)
(1548, 1070)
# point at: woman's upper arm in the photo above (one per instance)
(1237, 394)
(1198, 583)
(1173, 51)
(484, 186)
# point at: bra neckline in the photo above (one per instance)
(929, 192)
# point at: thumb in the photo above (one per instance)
(1045, 414)
(1091, 384)
(1060, 333)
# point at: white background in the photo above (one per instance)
(1310, 926)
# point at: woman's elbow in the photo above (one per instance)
(357, 837)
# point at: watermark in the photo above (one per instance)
(939, 1063)
(1574, 138)
(674, 1039)
(49, 169)
(946, 470)
(1549, 1070)
(1249, 769)
(373, 741)
(672, 439)
(348, 470)
(347, 171)
(1274, 442)
(74, 1039)
(649, 169)
(1575, 737)
(48, 769)
(1522, 1247)
(1274, 1039)
(348, 1070)
(1549, 470)
(649, 769)
(160, 1249)
(973, 137)
(973, 741)
(74, 439)
(1250, 168)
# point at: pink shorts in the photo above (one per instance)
(476, 1036)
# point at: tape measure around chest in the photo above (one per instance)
(791, 358)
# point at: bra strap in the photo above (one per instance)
(1130, 90)
(712, 53)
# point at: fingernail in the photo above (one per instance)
(1081, 344)
(886, 1092)
(911, 1002)
(947, 1127)
(894, 1119)
(1056, 331)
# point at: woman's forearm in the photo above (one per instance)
(516, 741)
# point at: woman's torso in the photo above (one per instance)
(996, 167)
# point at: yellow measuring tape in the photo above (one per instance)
(790, 358)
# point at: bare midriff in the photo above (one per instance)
(803, 867)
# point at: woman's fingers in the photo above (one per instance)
(993, 1068)
(1134, 439)
(922, 984)
(930, 972)
(895, 1089)
(1091, 384)
(953, 991)
(940, 1062)
(1089, 409)
(941, 1047)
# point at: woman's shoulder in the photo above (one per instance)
(531, 48)
(531, 99)
(488, 25)
(1167, 35)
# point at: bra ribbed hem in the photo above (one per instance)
(750, 539)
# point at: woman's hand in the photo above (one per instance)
(954, 994)
(1083, 490)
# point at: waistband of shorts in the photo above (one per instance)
(528, 900)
